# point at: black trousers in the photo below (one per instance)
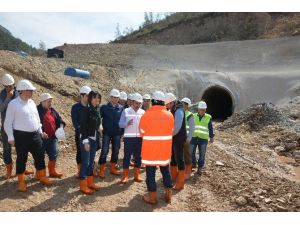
(177, 153)
(78, 151)
(29, 142)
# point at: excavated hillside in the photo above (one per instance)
(198, 27)
(253, 164)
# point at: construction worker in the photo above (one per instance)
(179, 138)
(123, 99)
(146, 102)
(51, 121)
(190, 128)
(203, 132)
(89, 125)
(23, 127)
(156, 128)
(111, 113)
(129, 100)
(98, 139)
(75, 115)
(7, 94)
(130, 121)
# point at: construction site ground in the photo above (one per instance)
(253, 164)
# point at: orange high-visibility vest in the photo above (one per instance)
(156, 128)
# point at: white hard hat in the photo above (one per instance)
(7, 80)
(202, 105)
(170, 97)
(115, 93)
(146, 96)
(45, 96)
(137, 97)
(159, 96)
(187, 100)
(60, 134)
(129, 96)
(24, 85)
(123, 95)
(85, 90)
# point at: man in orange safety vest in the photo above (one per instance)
(156, 128)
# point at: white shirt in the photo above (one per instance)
(127, 115)
(21, 115)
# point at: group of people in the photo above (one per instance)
(158, 131)
(30, 128)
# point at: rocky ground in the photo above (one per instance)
(245, 171)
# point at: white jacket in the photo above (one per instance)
(127, 115)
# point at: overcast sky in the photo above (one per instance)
(57, 28)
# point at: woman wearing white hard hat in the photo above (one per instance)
(23, 127)
(7, 94)
(51, 121)
(75, 115)
(89, 125)
(203, 132)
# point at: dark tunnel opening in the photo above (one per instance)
(219, 103)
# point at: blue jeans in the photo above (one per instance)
(6, 147)
(87, 159)
(50, 146)
(132, 145)
(115, 141)
(201, 144)
(150, 177)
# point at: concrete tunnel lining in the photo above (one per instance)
(220, 102)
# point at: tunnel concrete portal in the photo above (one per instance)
(219, 102)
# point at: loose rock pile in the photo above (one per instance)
(258, 116)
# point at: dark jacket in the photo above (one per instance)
(181, 135)
(111, 117)
(58, 119)
(4, 103)
(89, 122)
(75, 115)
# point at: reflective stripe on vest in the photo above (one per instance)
(157, 126)
(157, 138)
(201, 127)
(149, 162)
(133, 130)
(187, 115)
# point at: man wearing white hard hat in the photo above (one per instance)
(190, 128)
(75, 115)
(146, 102)
(123, 99)
(51, 121)
(111, 113)
(156, 128)
(203, 132)
(179, 138)
(7, 94)
(24, 130)
(130, 121)
(129, 100)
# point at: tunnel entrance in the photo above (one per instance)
(219, 103)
